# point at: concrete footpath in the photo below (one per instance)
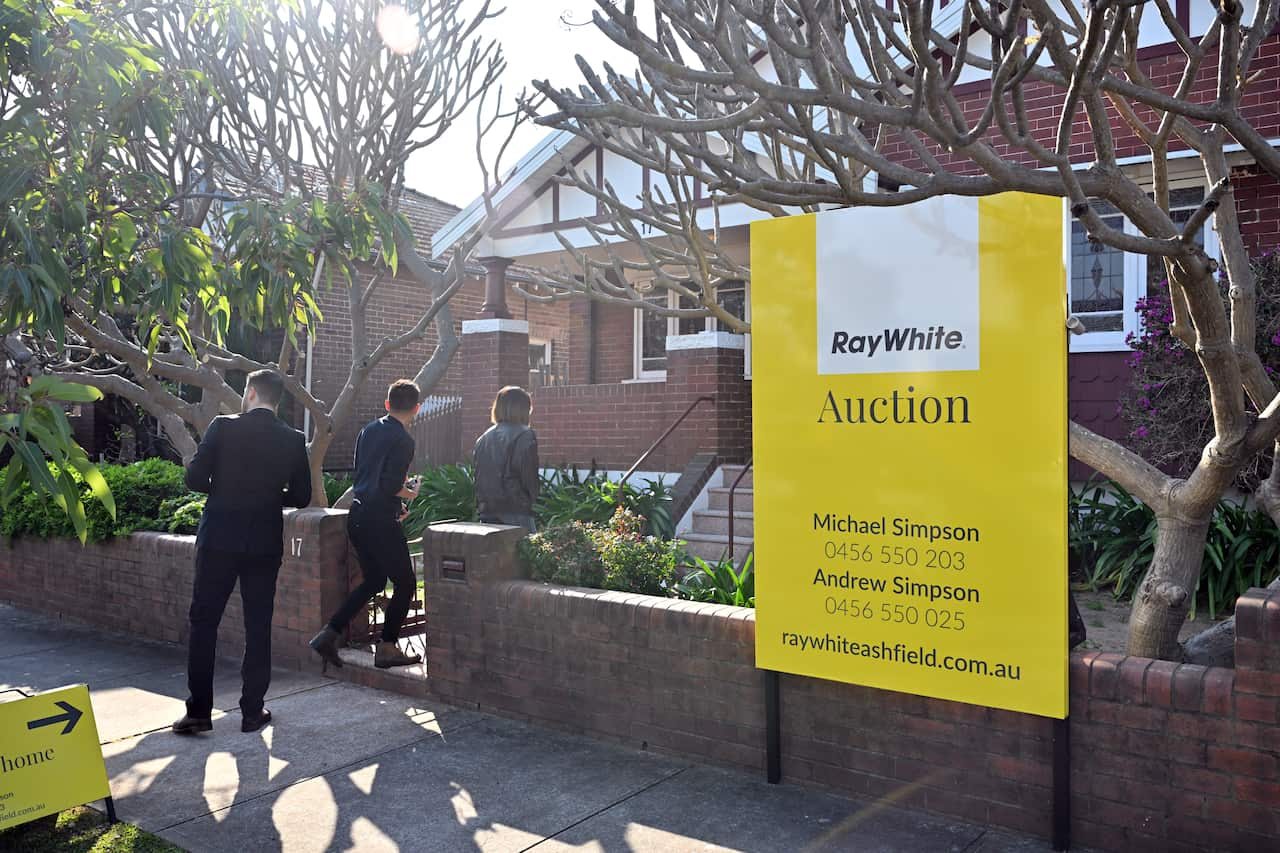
(349, 768)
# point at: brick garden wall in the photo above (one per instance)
(141, 584)
(1165, 757)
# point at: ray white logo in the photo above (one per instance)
(898, 289)
(905, 339)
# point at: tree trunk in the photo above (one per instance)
(1162, 601)
(1216, 646)
(318, 449)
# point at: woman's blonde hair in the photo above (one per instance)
(512, 406)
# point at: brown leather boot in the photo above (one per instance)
(388, 655)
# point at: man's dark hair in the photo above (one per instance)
(403, 395)
(269, 384)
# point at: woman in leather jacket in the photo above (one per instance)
(506, 463)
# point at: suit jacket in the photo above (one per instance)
(252, 466)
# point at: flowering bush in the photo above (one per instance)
(616, 556)
(1166, 405)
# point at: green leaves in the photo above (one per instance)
(720, 582)
(45, 453)
(1112, 538)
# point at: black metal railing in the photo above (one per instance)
(733, 557)
(635, 466)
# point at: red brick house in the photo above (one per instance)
(631, 374)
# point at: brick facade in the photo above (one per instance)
(396, 305)
(1163, 65)
(611, 425)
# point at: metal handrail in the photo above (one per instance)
(706, 398)
(732, 491)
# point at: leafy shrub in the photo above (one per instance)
(183, 513)
(1112, 536)
(335, 487)
(1166, 404)
(617, 557)
(449, 493)
(563, 554)
(720, 582)
(634, 562)
(139, 490)
(567, 495)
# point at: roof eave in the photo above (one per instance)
(530, 166)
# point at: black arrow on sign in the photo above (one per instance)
(71, 717)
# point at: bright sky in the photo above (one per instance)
(537, 44)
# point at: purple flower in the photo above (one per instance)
(1141, 432)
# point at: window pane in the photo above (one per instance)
(1102, 322)
(732, 296)
(1097, 272)
(690, 325)
(653, 341)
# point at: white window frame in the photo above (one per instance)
(638, 372)
(545, 343)
(1135, 287)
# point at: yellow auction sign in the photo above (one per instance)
(909, 417)
(50, 758)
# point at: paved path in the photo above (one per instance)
(348, 768)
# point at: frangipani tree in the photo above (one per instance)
(792, 105)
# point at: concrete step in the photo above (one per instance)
(712, 548)
(731, 472)
(717, 522)
(743, 498)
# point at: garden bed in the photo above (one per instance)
(1107, 621)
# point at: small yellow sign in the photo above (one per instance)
(50, 758)
(910, 443)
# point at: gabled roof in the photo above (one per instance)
(543, 161)
(547, 157)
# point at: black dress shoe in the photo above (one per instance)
(257, 721)
(190, 725)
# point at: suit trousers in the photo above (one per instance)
(379, 543)
(216, 575)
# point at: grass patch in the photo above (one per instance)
(81, 830)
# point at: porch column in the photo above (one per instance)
(495, 289)
(711, 363)
(495, 353)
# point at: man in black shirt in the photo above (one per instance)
(252, 465)
(384, 451)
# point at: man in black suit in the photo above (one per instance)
(252, 465)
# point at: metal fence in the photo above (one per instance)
(437, 432)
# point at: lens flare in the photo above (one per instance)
(398, 29)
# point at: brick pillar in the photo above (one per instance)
(495, 353)
(710, 363)
(463, 567)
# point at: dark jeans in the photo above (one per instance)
(384, 555)
(216, 575)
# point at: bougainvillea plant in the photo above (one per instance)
(1166, 405)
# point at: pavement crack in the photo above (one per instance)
(973, 845)
(633, 794)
